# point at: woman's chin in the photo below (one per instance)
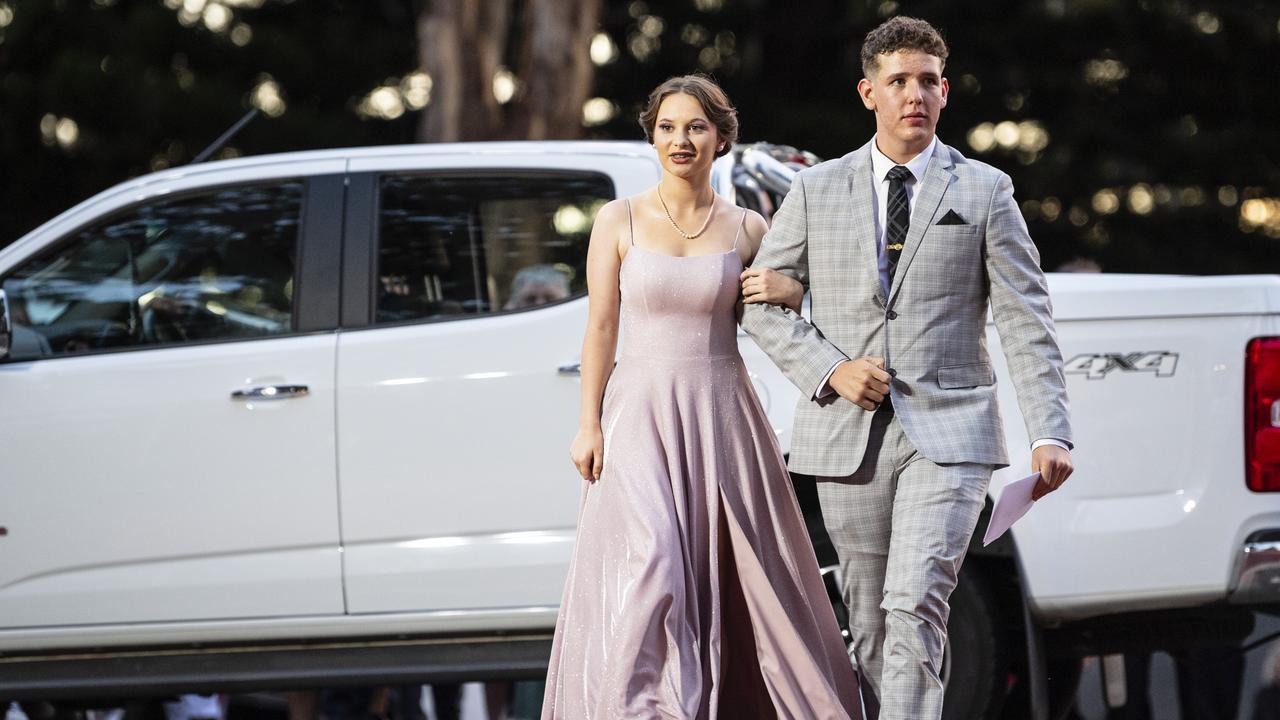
(687, 170)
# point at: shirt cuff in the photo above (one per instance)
(823, 388)
(1050, 441)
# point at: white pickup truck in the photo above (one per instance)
(302, 419)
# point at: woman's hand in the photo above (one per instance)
(766, 285)
(587, 453)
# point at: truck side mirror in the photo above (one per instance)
(6, 328)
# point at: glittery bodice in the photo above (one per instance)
(679, 307)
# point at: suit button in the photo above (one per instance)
(891, 314)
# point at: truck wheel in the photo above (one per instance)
(976, 663)
(1064, 683)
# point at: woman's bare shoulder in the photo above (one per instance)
(613, 211)
(755, 226)
(751, 220)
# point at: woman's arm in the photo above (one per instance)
(600, 343)
(766, 285)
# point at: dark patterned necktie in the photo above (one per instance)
(897, 216)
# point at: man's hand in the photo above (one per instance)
(1054, 465)
(862, 382)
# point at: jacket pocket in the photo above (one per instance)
(966, 376)
(953, 230)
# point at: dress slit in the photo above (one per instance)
(743, 692)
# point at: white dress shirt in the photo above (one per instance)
(880, 167)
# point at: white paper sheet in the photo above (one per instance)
(1014, 502)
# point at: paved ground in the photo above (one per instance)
(1091, 699)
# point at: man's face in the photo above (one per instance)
(907, 95)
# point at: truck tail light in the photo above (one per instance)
(1262, 414)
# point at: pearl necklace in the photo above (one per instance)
(686, 235)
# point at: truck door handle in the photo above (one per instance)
(571, 369)
(271, 392)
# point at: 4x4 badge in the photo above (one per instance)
(1095, 366)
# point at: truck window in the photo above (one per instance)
(212, 266)
(458, 245)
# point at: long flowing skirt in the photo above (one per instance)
(693, 590)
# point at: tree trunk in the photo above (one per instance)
(556, 67)
(462, 44)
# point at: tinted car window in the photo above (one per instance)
(453, 245)
(218, 265)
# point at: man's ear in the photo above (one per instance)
(866, 91)
(946, 91)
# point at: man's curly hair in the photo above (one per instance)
(901, 33)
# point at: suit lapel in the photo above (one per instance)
(861, 221)
(937, 178)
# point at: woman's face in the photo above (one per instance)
(686, 140)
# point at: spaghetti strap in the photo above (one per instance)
(741, 223)
(630, 227)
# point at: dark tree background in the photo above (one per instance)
(1139, 134)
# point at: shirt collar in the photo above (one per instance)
(881, 164)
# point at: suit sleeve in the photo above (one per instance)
(794, 345)
(1023, 315)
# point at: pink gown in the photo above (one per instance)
(693, 590)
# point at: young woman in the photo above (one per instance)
(693, 592)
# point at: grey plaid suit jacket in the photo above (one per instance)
(931, 329)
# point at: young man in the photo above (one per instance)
(903, 245)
